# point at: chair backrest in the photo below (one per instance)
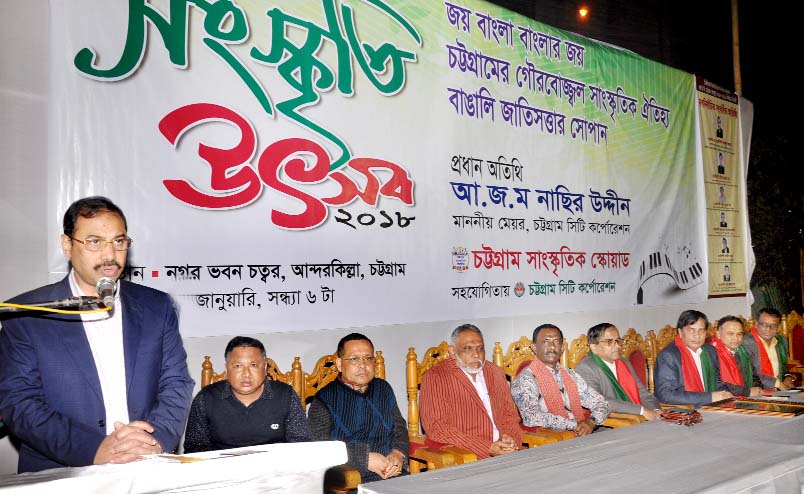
(665, 337)
(577, 350)
(793, 329)
(413, 376)
(292, 377)
(325, 371)
(636, 350)
(518, 352)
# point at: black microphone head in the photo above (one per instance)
(106, 288)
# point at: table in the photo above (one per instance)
(726, 453)
(296, 467)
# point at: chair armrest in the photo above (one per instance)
(341, 479)
(534, 439)
(616, 420)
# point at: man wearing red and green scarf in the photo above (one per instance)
(736, 369)
(688, 370)
(768, 350)
(615, 377)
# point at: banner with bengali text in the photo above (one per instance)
(290, 165)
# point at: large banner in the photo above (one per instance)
(290, 165)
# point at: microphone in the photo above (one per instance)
(106, 288)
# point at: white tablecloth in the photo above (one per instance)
(726, 453)
(297, 468)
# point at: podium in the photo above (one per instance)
(293, 467)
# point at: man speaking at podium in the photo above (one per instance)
(94, 388)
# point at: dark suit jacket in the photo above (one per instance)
(750, 346)
(50, 394)
(745, 390)
(669, 380)
(596, 377)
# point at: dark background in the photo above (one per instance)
(696, 37)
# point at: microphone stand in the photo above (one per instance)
(67, 303)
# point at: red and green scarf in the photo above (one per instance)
(730, 372)
(765, 366)
(624, 384)
(692, 380)
(552, 394)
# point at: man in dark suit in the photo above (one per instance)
(736, 370)
(687, 370)
(614, 377)
(94, 388)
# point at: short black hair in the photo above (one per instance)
(352, 337)
(770, 311)
(463, 328)
(723, 320)
(689, 317)
(594, 333)
(243, 342)
(89, 207)
(546, 326)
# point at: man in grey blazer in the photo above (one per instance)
(614, 377)
(769, 351)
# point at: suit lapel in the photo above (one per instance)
(132, 329)
(74, 340)
(469, 388)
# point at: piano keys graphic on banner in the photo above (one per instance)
(659, 263)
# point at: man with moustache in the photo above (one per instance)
(736, 370)
(361, 411)
(688, 370)
(94, 388)
(245, 409)
(769, 351)
(465, 400)
(553, 396)
(614, 377)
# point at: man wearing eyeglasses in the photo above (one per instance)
(96, 388)
(614, 377)
(769, 351)
(688, 370)
(361, 411)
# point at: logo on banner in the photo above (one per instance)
(460, 259)
(519, 289)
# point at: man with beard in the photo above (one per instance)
(465, 400)
(552, 396)
(97, 388)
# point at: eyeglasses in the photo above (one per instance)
(95, 244)
(612, 341)
(355, 361)
(768, 325)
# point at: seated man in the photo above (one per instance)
(465, 400)
(768, 350)
(736, 370)
(245, 409)
(687, 371)
(550, 395)
(361, 411)
(614, 377)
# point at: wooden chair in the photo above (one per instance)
(793, 329)
(429, 457)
